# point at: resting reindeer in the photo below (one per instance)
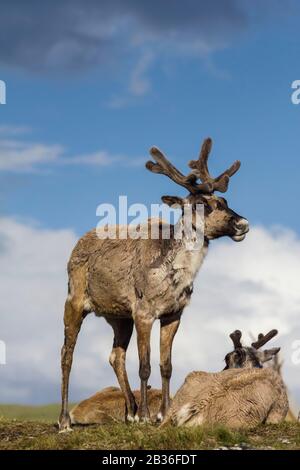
(132, 282)
(243, 395)
(108, 406)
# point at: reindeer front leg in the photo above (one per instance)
(143, 326)
(122, 334)
(168, 328)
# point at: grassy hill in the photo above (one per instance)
(26, 427)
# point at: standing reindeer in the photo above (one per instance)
(243, 395)
(133, 282)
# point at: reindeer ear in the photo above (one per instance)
(172, 201)
(268, 354)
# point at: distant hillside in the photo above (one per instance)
(26, 412)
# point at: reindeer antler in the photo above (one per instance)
(164, 167)
(199, 171)
(263, 339)
(236, 339)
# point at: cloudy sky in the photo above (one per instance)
(90, 87)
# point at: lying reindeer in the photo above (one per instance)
(108, 406)
(243, 395)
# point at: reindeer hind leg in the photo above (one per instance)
(73, 317)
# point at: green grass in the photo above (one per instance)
(41, 435)
(38, 435)
(27, 427)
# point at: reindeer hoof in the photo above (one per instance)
(130, 419)
(64, 430)
(142, 419)
(64, 424)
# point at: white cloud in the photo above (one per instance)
(17, 155)
(32, 287)
(139, 83)
(252, 286)
(100, 158)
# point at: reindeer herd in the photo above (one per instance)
(132, 282)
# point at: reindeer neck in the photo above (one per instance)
(187, 255)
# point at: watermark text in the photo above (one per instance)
(2, 92)
(182, 221)
(2, 353)
(296, 94)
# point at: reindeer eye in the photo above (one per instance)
(207, 209)
(213, 205)
(223, 201)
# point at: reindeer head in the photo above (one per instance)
(220, 220)
(250, 357)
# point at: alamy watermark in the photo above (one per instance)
(135, 222)
(2, 92)
(2, 353)
(296, 94)
(296, 352)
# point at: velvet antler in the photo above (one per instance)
(199, 171)
(236, 339)
(263, 339)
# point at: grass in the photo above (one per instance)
(33, 427)
(34, 435)
(38, 435)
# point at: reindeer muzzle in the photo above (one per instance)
(241, 229)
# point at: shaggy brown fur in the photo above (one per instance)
(235, 398)
(108, 405)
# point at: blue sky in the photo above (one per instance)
(239, 94)
(91, 86)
